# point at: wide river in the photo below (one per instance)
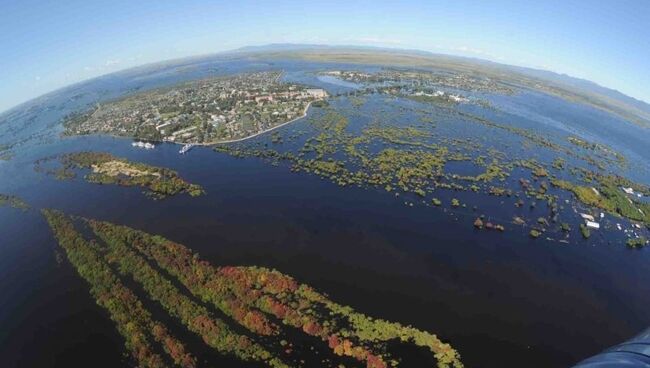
(501, 299)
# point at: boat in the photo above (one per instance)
(185, 149)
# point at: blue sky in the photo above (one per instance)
(45, 45)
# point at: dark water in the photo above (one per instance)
(501, 299)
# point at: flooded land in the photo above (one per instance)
(324, 209)
(264, 302)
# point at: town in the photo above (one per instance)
(214, 110)
(422, 82)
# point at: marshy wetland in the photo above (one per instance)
(447, 222)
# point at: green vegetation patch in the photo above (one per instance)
(404, 158)
(13, 202)
(141, 333)
(607, 194)
(584, 230)
(265, 303)
(415, 160)
(5, 152)
(639, 242)
(108, 169)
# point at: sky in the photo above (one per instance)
(46, 45)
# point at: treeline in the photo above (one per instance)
(132, 320)
(195, 317)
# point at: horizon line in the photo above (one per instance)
(367, 46)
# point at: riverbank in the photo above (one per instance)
(304, 114)
(208, 144)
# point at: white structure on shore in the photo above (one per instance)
(316, 92)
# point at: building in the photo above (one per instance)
(268, 98)
(593, 225)
(316, 92)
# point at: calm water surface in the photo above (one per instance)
(503, 300)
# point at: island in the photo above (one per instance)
(5, 152)
(104, 168)
(264, 309)
(13, 202)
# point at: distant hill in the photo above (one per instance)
(586, 85)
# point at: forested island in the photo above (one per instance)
(270, 306)
(13, 202)
(104, 168)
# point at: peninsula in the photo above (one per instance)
(214, 110)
